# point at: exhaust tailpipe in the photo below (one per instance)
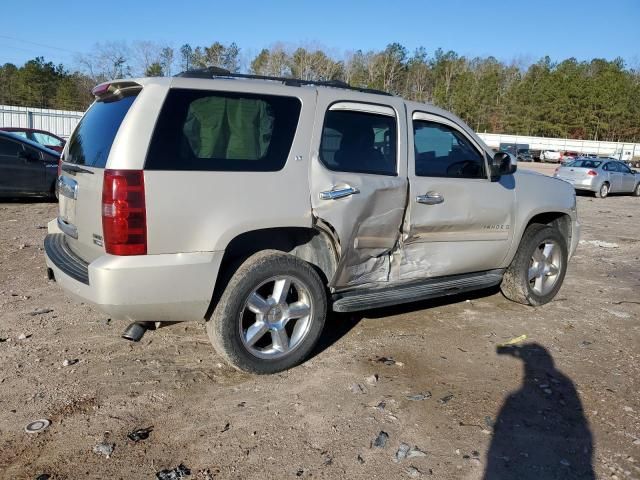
(136, 330)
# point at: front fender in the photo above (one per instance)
(538, 194)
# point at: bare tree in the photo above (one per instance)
(313, 65)
(419, 82)
(389, 65)
(145, 54)
(106, 61)
(166, 60)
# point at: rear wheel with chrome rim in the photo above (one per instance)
(270, 315)
(603, 191)
(538, 269)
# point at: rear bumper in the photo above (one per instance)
(588, 184)
(168, 287)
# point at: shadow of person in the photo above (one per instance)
(541, 431)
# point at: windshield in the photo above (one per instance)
(92, 139)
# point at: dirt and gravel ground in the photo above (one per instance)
(564, 404)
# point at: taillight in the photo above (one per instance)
(124, 218)
(100, 89)
(591, 173)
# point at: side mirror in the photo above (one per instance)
(503, 163)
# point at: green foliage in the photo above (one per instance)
(217, 55)
(42, 84)
(153, 70)
(597, 99)
(186, 54)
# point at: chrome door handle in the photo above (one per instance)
(336, 193)
(431, 198)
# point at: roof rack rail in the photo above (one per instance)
(213, 72)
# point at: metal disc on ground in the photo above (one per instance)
(37, 426)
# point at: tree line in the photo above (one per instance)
(595, 100)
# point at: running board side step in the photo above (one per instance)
(355, 300)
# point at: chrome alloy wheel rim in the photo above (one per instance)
(604, 190)
(545, 267)
(276, 317)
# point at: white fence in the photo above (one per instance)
(60, 122)
(581, 146)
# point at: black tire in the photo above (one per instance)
(224, 327)
(53, 195)
(516, 285)
(603, 192)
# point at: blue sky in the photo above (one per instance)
(508, 30)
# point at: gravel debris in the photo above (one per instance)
(381, 440)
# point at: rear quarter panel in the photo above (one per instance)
(198, 211)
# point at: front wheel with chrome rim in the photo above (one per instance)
(538, 268)
(270, 315)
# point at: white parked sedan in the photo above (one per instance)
(600, 175)
(550, 156)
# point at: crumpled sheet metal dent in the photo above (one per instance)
(372, 234)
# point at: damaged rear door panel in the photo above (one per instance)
(359, 181)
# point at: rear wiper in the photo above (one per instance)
(73, 169)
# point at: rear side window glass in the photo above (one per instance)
(359, 142)
(584, 164)
(9, 148)
(441, 151)
(223, 131)
(92, 139)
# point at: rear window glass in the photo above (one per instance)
(44, 139)
(92, 139)
(584, 164)
(223, 131)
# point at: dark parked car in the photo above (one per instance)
(44, 138)
(26, 168)
(525, 156)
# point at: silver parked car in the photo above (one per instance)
(258, 205)
(601, 176)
